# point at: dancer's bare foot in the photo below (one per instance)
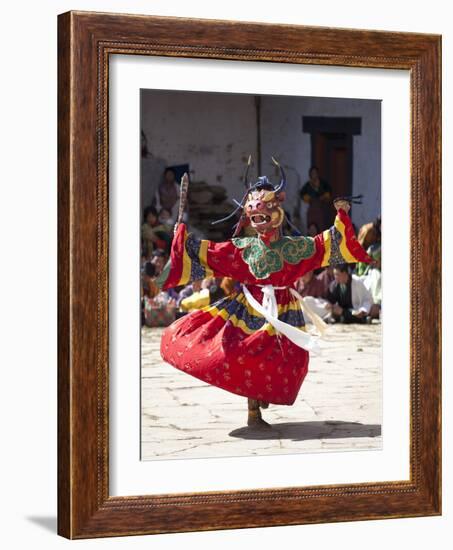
(255, 419)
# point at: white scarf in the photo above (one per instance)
(269, 310)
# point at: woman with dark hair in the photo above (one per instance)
(317, 193)
(153, 235)
(168, 191)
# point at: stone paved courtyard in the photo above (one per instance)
(338, 407)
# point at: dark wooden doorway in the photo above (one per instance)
(332, 150)
(332, 154)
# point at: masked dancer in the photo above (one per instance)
(252, 342)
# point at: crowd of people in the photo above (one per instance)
(340, 294)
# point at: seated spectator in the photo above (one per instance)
(153, 238)
(166, 221)
(370, 233)
(314, 289)
(210, 292)
(314, 285)
(159, 259)
(197, 300)
(351, 301)
(371, 276)
(214, 284)
(158, 308)
(187, 291)
(149, 285)
(159, 311)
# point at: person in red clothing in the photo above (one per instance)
(314, 285)
(314, 289)
(253, 342)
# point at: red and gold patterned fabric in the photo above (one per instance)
(231, 345)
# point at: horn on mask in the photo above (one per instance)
(282, 185)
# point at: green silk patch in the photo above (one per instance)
(264, 260)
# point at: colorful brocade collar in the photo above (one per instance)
(265, 259)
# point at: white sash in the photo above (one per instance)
(269, 310)
(319, 324)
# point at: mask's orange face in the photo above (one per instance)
(263, 210)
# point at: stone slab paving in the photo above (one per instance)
(338, 407)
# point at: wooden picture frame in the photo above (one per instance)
(85, 41)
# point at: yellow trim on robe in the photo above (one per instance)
(187, 262)
(327, 247)
(240, 323)
(186, 265)
(203, 255)
(291, 306)
(281, 308)
(348, 257)
(214, 311)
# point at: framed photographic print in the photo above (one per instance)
(249, 275)
(241, 341)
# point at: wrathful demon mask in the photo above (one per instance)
(261, 204)
(263, 207)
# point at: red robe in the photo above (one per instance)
(231, 345)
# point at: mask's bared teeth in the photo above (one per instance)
(260, 219)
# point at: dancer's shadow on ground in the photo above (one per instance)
(304, 431)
